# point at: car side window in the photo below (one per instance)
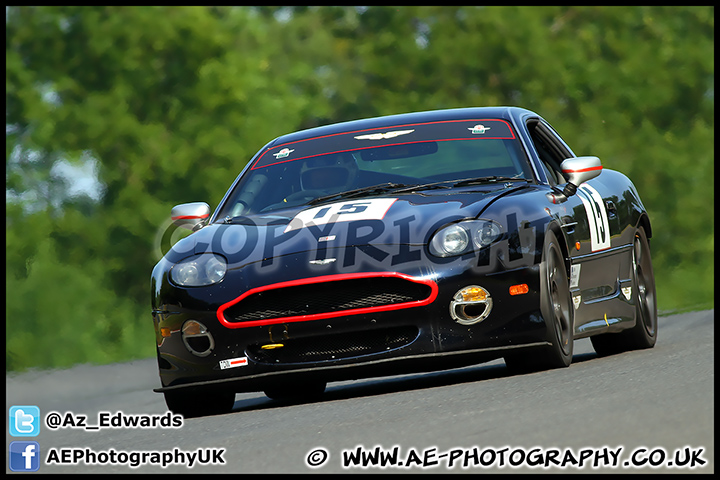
(550, 150)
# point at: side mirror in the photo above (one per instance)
(190, 215)
(579, 170)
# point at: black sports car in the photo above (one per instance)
(400, 244)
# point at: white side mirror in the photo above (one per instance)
(579, 170)
(190, 215)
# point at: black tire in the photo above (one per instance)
(194, 404)
(557, 310)
(644, 333)
(296, 391)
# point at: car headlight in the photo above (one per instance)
(199, 270)
(449, 241)
(485, 233)
(462, 237)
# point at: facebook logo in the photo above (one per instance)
(24, 456)
(24, 421)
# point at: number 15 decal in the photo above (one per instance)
(373, 209)
(597, 217)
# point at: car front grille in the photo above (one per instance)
(335, 346)
(327, 297)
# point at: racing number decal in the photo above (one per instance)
(597, 217)
(373, 209)
(344, 209)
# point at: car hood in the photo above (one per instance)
(378, 220)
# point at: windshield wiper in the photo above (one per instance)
(389, 187)
(488, 179)
(423, 186)
(380, 188)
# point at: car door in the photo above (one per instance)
(589, 224)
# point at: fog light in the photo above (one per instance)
(471, 305)
(197, 338)
(473, 294)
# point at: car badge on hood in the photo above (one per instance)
(323, 261)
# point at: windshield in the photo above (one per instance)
(398, 159)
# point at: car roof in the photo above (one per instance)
(505, 113)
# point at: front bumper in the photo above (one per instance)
(355, 343)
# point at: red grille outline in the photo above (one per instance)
(319, 316)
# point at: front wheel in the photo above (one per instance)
(557, 310)
(194, 404)
(295, 391)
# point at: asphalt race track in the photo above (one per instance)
(646, 411)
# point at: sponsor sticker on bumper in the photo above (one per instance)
(233, 362)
